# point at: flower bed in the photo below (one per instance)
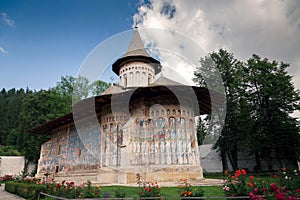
(30, 188)
(286, 186)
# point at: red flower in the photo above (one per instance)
(280, 196)
(250, 184)
(251, 177)
(273, 187)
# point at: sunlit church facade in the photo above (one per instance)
(145, 124)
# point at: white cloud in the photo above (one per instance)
(6, 20)
(268, 28)
(2, 50)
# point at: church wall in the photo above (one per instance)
(163, 134)
(65, 153)
(112, 137)
(156, 135)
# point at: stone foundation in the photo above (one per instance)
(112, 176)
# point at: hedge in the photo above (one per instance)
(25, 190)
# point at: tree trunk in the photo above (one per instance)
(224, 161)
(257, 168)
(25, 170)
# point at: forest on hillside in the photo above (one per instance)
(260, 98)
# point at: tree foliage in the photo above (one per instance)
(260, 97)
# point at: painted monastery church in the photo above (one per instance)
(142, 125)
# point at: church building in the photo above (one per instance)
(145, 124)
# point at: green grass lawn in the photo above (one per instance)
(133, 192)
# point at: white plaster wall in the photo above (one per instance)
(209, 159)
(12, 165)
(211, 162)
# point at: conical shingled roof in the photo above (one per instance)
(136, 46)
(136, 51)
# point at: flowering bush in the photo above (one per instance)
(150, 190)
(32, 180)
(238, 184)
(6, 178)
(69, 190)
(186, 190)
(287, 186)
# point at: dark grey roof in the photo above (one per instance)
(136, 46)
(136, 51)
(113, 89)
(163, 81)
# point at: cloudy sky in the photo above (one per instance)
(41, 41)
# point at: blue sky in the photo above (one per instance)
(41, 41)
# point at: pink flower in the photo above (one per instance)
(292, 198)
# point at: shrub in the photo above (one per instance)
(9, 151)
(25, 190)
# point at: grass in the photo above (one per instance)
(133, 192)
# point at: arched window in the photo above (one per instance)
(130, 81)
(168, 112)
(125, 81)
(137, 78)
